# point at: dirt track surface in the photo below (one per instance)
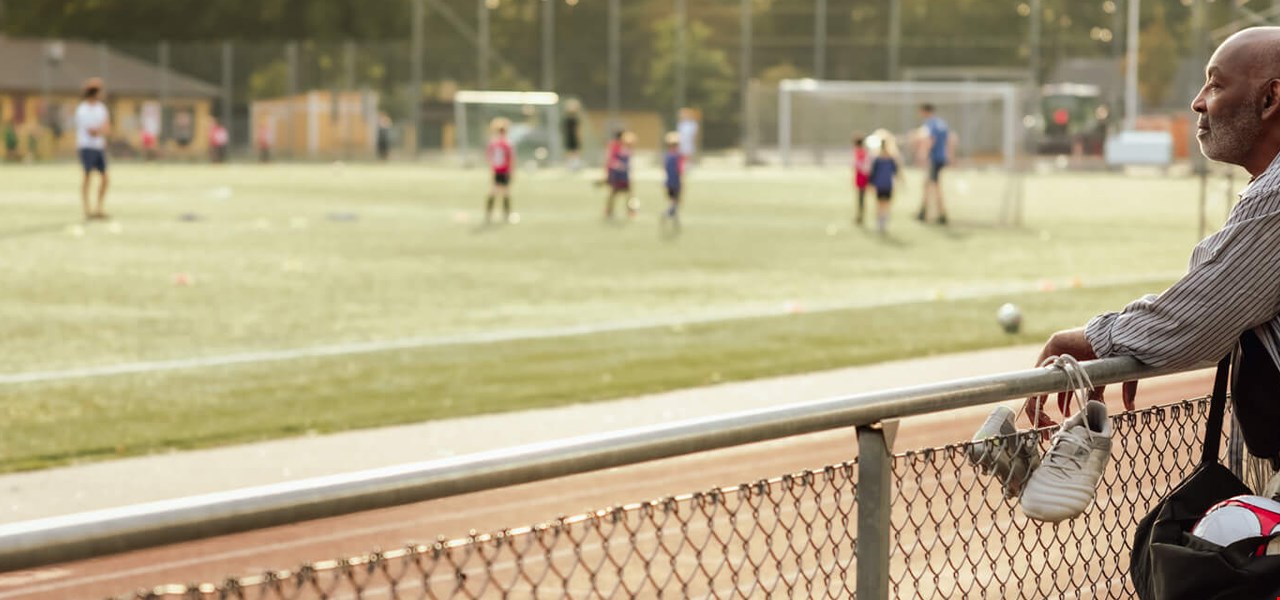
(288, 547)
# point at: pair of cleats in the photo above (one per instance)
(1063, 483)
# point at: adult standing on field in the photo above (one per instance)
(93, 124)
(572, 124)
(687, 129)
(940, 145)
(1231, 292)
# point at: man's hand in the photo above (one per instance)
(1071, 342)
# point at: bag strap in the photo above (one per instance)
(1217, 412)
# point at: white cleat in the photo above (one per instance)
(1067, 480)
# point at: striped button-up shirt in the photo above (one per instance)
(1233, 285)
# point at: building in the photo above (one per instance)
(141, 95)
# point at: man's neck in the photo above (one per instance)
(1265, 155)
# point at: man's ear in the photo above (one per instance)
(1271, 99)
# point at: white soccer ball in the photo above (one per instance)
(1237, 518)
(1009, 316)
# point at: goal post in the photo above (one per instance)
(534, 116)
(985, 117)
(971, 108)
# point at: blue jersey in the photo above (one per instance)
(938, 132)
(674, 165)
(882, 171)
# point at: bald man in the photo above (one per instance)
(1233, 283)
(1231, 288)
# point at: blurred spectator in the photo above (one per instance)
(10, 142)
(384, 136)
(572, 133)
(218, 141)
(149, 145)
(266, 139)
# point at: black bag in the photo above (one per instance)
(1255, 382)
(1169, 564)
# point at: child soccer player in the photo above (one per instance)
(883, 171)
(674, 163)
(861, 172)
(619, 175)
(501, 159)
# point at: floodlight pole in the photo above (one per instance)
(415, 73)
(744, 80)
(1033, 43)
(615, 62)
(291, 87)
(682, 54)
(349, 65)
(548, 45)
(895, 37)
(46, 83)
(104, 62)
(1199, 52)
(482, 48)
(820, 40)
(227, 56)
(162, 50)
(1131, 72)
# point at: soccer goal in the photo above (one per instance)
(815, 120)
(535, 124)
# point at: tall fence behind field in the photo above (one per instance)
(952, 535)
(647, 57)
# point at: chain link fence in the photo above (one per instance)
(953, 535)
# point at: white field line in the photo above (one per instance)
(484, 337)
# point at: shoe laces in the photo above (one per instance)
(1067, 449)
(1081, 386)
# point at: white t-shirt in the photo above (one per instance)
(687, 129)
(91, 115)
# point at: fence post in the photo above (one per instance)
(227, 75)
(875, 470)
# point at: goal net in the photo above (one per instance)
(811, 122)
(535, 124)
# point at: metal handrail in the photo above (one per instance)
(96, 533)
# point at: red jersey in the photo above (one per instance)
(500, 155)
(861, 167)
(611, 162)
(218, 136)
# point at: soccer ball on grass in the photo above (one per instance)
(1009, 316)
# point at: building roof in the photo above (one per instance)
(20, 70)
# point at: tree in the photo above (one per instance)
(1157, 60)
(710, 78)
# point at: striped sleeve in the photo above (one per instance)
(1234, 287)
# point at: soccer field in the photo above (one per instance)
(305, 298)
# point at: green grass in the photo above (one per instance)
(271, 271)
